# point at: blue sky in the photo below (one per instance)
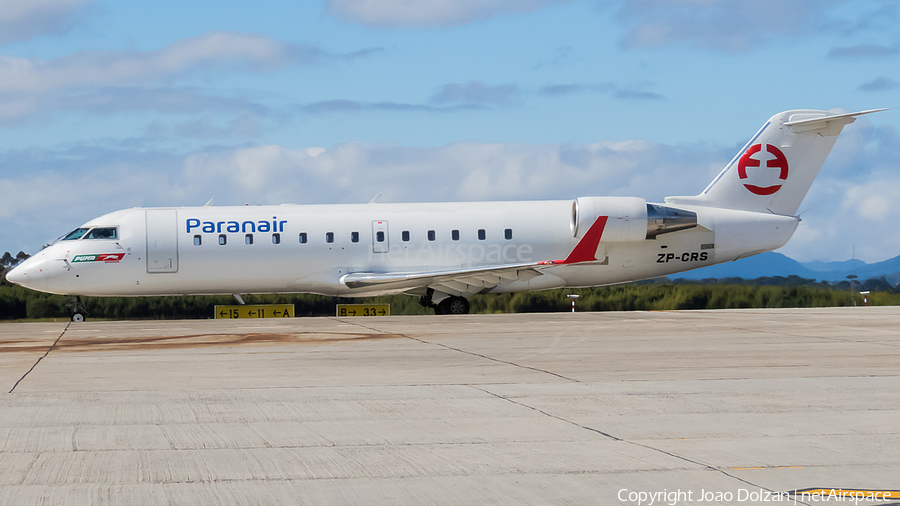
(108, 105)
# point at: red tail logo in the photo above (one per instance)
(779, 162)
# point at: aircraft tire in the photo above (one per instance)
(78, 317)
(453, 305)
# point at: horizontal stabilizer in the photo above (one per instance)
(824, 122)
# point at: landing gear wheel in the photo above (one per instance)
(453, 305)
(77, 308)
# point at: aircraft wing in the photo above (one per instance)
(467, 280)
(458, 281)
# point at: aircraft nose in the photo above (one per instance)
(42, 272)
(18, 275)
(32, 273)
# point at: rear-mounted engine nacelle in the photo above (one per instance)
(664, 219)
(626, 222)
(630, 219)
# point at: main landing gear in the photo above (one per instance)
(452, 305)
(449, 305)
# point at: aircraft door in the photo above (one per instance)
(162, 241)
(380, 238)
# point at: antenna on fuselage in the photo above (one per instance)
(374, 198)
(209, 202)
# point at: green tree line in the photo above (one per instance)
(19, 303)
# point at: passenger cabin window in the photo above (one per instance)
(481, 234)
(455, 235)
(431, 235)
(197, 240)
(354, 236)
(276, 238)
(303, 238)
(405, 236)
(329, 237)
(508, 234)
(102, 233)
(248, 239)
(222, 240)
(379, 236)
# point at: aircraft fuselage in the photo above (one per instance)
(444, 252)
(294, 248)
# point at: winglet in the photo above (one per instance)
(586, 249)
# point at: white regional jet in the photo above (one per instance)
(444, 252)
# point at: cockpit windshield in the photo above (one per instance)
(92, 233)
(75, 234)
(102, 233)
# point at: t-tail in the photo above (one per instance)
(773, 172)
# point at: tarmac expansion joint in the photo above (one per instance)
(615, 438)
(40, 358)
(472, 353)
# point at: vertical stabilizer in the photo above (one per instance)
(773, 172)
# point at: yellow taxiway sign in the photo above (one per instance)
(256, 311)
(363, 309)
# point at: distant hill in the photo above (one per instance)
(775, 264)
(846, 265)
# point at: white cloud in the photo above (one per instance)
(427, 13)
(25, 19)
(472, 95)
(720, 25)
(53, 191)
(849, 204)
(844, 219)
(477, 93)
(112, 81)
(631, 91)
(872, 201)
(864, 51)
(882, 83)
(210, 51)
(57, 190)
(39, 208)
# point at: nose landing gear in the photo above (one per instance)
(77, 308)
